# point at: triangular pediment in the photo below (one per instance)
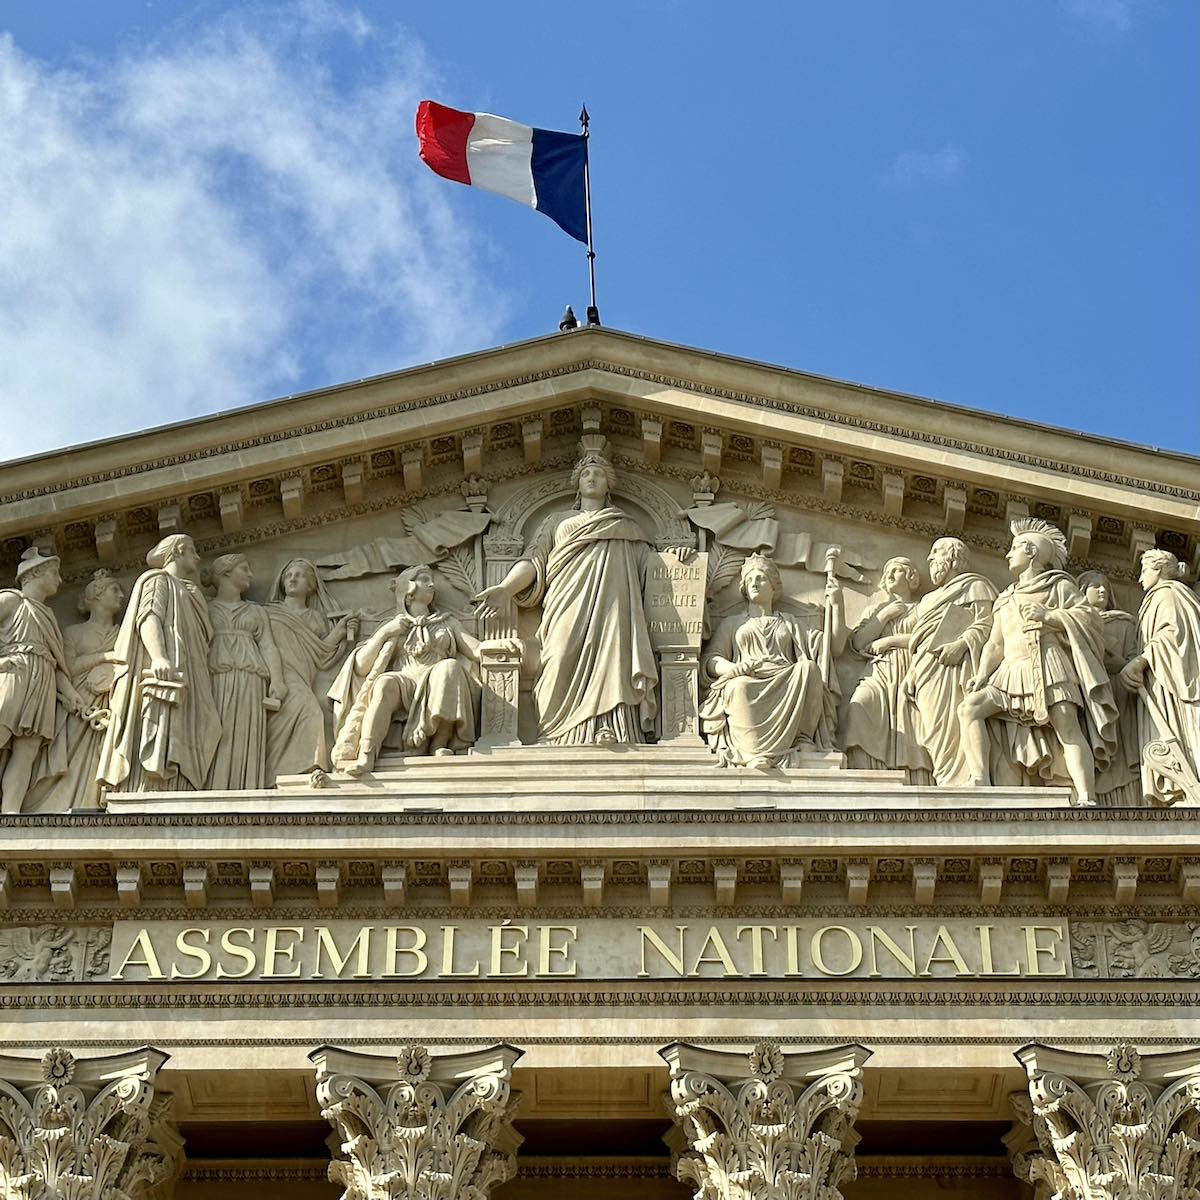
(781, 435)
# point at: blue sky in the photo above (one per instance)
(995, 203)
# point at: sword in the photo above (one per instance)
(1033, 639)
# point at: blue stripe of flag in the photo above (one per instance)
(557, 162)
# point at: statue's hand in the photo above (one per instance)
(278, 692)
(952, 654)
(684, 554)
(493, 601)
(1133, 674)
(400, 623)
(890, 611)
(161, 668)
(1033, 612)
(976, 684)
(73, 701)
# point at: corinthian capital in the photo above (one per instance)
(421, 1126)
(91, 1128)
(1115, 1126)
(765, 1125)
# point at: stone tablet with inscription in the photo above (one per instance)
(674, 600)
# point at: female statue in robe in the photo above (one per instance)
(880, 720)
(1166, 668)
(165, 726)
(309, 640)
(91, 660)
(247, 677)
(767, 694)
(598, 680)
(1118, 783)
(416, 667)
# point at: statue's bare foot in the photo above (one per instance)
(359, 768)
(760, 763)
(606, 737)
(319, 778)
(443, 752)
(1083, 800)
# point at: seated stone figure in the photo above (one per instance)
(767, 692)
(1041, 673)
(416, 669)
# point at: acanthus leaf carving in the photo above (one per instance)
(85, 1129)
(419, 1125)
(1120, 1126)
(768, 1125)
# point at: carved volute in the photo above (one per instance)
(88, 1128)
(421, 1126)
(765, 1125)
(1121, 1126)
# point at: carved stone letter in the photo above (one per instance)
(438, 1127)
(766, 1123)
(1109, 1127)
(85, 1127)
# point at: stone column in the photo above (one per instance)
(1115, 1126)
(419, 1126)
(92, 1128)
(765, 1125)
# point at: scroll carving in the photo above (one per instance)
(438, 1127)
(88, 1128)
(1120, 1126)
(766, 1123)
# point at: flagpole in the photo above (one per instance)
(593, 313)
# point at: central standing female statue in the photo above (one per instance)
(598, 678)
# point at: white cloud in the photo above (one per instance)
(1102, 16)
(921, 166)
(218, 219)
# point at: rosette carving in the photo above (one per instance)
(419, 1126)
(1120, 1126)
(87, 1128)
(768, 1125)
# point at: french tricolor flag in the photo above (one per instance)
(538, 167)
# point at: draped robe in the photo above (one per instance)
(940, 689)
(757, 719)
(1169, 632)
(31, 646)
(598, 670)
(1072, 668)
(151, 744)
(296, 736)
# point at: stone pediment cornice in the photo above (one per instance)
(776, 427)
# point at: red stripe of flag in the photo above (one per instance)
(443, 134)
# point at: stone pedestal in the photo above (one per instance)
(765, 1124)
(501, 676)
(86, 1127)
(419, 1126)
(679, 674)
(1120, 1126)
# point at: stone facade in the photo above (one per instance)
(586, 699)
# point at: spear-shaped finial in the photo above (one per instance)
(593, 313)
